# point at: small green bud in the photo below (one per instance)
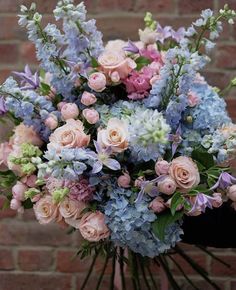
(40, 182)
(190, 119)
(28, 168)
(233, 82)
(30, 193)
(59, 194)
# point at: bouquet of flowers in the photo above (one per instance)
(118, 141)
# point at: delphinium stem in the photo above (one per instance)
(142, 267)
(103, 272)
(122, 269)
(112, 286)
(90, 270)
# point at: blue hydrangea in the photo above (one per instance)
(130, 225)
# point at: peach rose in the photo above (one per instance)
(25, 134)
(114, 136)
(93, 227)
(71, 210)
(71, 135)
(5, 150)
(167, 185)
(88, 99)
(97, 81)
(46, 211)
(91, 116)
(69, 111)
(185, 173)
(113, 61)
(162, 167)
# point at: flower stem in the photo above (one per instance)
(103, 272)
(113, 270)
(122, 269)
(142, 267)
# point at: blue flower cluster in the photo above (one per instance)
(130, 225)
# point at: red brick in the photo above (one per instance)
(9, 53)
(12, 281)
(156, 7)
(197, 257)
(201, 284)
(6, 260)
(232, 107)
(11, 29)
(231, 3)
(35, 260)
(224, 55)
(112, 5)
(4, 74)
(220, 270)
(233, 285)
(5, 213)
(22, 233)
(14, 6)
(217, 78)
(27, 53)
(196, 6)
(67, 262)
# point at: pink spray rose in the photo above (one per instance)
(97, 81)
(5, 150)
(60, 105)
(88, 99)
(167, 185)
(16, 204)
(71, 211)
(91, 116)
(114, 136)
(217, 199)
(162, 167)
(46, 211)
(71, 135)
(69, 111)
(93, 227)
(193, 99)
(25, 134)
(113, 61)
(185, 173)
(18, 191)
(231, 192)
(157, 205)
(115, 77)
(51, 122)
(124, 180)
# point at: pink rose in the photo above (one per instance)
(88, 99)
(157, 205)
(114, 136)
(71, 211)
(193, 99)
(167, 185)
(46, 211)
(16, 204)
(51, 122)
(97, 81)
(124, 180)
(91, 116)
(60, 105)
(185, 173)
(71, 135)
(69, 111)
(5, 150)
(18, 191)
(115, 77)
(115, 45)
(25, 134)
(162, 167)
(217, 202)
(93, 227)
(113, 61)
(231, 192)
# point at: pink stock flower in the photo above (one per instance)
(69, 111)
(5, 150)
(80, 190)
(97, 81)
(93, 227)
(91, 116)
(88, 99)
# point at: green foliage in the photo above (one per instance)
(7, 179)
(141, 62)
(176, 200)
(203, 158)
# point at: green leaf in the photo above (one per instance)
(27, 204)
(94, 62)
(203, 157)
(163, 221)
(141, 62)
(45, 88)
(176, 200)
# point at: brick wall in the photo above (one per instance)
(34, 257)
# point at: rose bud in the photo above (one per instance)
(162, 167)
(88, 99)
(232, 192)
(124, 180)
(51, 122)
(157, 205)
(97, 82)
(167, 186)
(18, 191)
(91, 116)
(69, 111)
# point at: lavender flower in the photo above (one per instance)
(176, 139)
(29, 81)
(131, 47)
(163, 33)
(179, 34)
(201, 202)
(225, 180)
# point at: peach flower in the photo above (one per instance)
(46, 211)
(91, 116)
(69, 111)
(97, 81)
(5, 150)
(93, 227)
(71, 210)
(88, 99)
(167, 185)
(113, 61)
(71, 135)
(162, 167)
(185, 173)
(114, 136)
(25, 134)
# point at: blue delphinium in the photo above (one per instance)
(130, 225)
